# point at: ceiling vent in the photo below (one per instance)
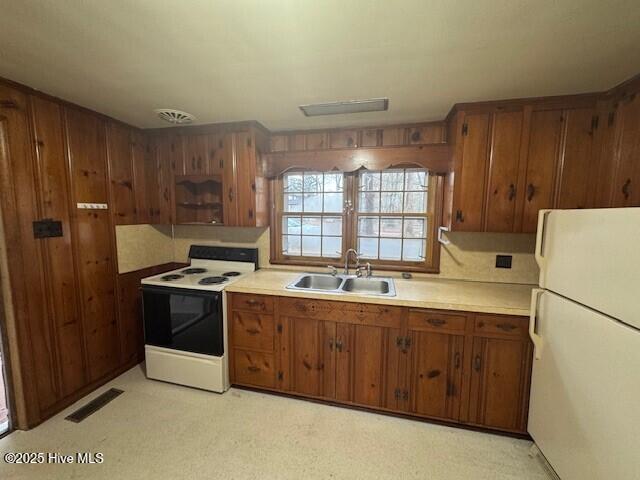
(176, 117)
(349, 106)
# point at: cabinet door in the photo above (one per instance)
(195, 155)
(123, 202)
(370, 371)
(542, 159)
(626, 184)
(500, 373)
(93, 238)
(312, 346)
(436, 374)
(577, 161)
(246, 179)
(229, 182)
(470, 176)
(216, 154)
(506, 136)
(55, 198)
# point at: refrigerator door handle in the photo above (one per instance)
(540, 260)
(536, 293)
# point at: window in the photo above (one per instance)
(312, 221)
(391, 215)
(388, 216)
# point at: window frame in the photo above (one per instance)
(435, 192)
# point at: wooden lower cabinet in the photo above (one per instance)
(458, 367)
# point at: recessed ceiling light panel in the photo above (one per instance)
(349, 106)
(176, 117)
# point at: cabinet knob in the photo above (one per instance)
(626, 188)
(512, 192)
(531, 190)
(477, 363)
(459, 216)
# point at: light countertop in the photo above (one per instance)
(499, 298)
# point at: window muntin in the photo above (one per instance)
(392, 215)
(312, 220)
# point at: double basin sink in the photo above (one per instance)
(344, 284)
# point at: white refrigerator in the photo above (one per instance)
(584, 412)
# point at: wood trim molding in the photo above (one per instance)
(436, 158)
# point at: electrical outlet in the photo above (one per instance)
(503, 261)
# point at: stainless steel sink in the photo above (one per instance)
(371, 286)
(344, 284)
(318, 282)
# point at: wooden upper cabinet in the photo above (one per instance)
(470, 172)
(196, 154)
(119, 155)
(626, 180)
(543, 150)
(216, 154)
(504, 163)
(577, 162)
(252, 188)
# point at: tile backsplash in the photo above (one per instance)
(469, 256)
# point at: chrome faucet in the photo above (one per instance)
(346, 260)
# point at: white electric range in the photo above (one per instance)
(185, 325)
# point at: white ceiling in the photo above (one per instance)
(248, 59)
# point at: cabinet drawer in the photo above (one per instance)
(502, 325)
(252, 330)
(342, 312)
(430, 320)
(254, 368)
(254, 303)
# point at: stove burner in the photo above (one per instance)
(190, 271)
(212, 280)
(231, 274)
(172, 276)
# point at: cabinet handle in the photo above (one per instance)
(477, 363)
(456, 360)
(512, 192)
(531, 190)
(251, 213)
(331, 344)
(231, 194)
(252, 331)
(339, 346)
(507, 327)
(253, 369)
(626, 188)
(459, 216)
(436, 322)
(253, 302)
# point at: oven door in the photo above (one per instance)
(181, 319)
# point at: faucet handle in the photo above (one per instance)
(334, 270)
(368, 266)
